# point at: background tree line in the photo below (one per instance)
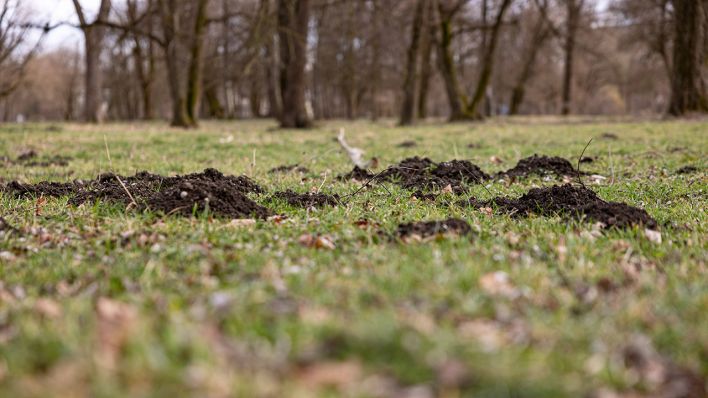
(302, 60)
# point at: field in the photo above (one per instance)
(103, 300)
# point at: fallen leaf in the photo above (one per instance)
(330, 374)
(48, 308)
(496, 160)
(115, 324)
(316, 242)
(498, 284)
(243, 222)
(486, 210)
(652, 235)
(447, 189)
(597, 179)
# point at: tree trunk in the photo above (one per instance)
(687, 85)
(488, 62)
(574, 7)
(216, 110)
(446, 64)
(426, 67)
(196, 63)
(93, 46)
(539, 36)
(293, 19)
(170, 27)
(411, 83)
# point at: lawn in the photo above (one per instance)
(100, 300)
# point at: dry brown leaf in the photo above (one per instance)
(498, 284)
(48, 308)
(330, 374)
(496, 159)
(447, 189)
(115, 324)
(487, 210)
(653, 236)
(317, 242)
(243, 222)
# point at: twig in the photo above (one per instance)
(579, 159)
(133, 203)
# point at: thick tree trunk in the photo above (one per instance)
(574, 7)
(687, 85)
(488, 62)
(426, 60)
(539, 36)
(446, 64)
(93, 46)
(293, 19)
(411, 83)
(93, 80)
(216, 110)
(170, 27)
(196, 63)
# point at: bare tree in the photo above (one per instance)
(411, 83)
(14, 39)
(572, 23)
(539, 34)
(687, 85)
(94, 34)
(293, 21)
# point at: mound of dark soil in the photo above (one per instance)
(357, 174)
(407, 144)
(223, 197)
(573, 202)
(289, 168)
(307, 199)
(427, 229)
(31, 158)
(183, 195)
(424, 174)
(541, 165)
(687, 170)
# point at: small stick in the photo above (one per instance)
(133, 203)
(579, 159)
(323, 182)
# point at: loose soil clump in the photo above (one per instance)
(424, 174)
(542, 166)
(307, 200)
(31, 158)
(407, 144)
(572, 202)
(429, 229)
(289, 168)
(687, 170)
(357, 174)
(183, 195)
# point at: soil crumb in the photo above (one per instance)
(407, 144)
(609, 136)
(222, 195)
(429, 229)
(289, 168)
(687, 170)
(357, 174)
(587, 159)
(542, 166)
(572, 202)
(307, 200)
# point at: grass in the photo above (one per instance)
(97, 301)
